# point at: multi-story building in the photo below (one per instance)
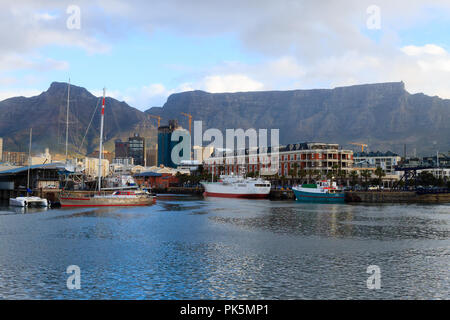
(386, 161)
(90, 166)
(152, 156)
(1, 149)
(166, 145)
(120, 149)
(106, 155)
(136, 149)
(321, 157)
(15, 158)
(46, 157)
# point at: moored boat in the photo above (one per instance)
(117, 198)
(28, 202)
(104, 199)
(323, 191)
(230, 186)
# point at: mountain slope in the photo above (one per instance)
(46, 113)
(383, 115)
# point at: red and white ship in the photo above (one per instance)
(231, 186)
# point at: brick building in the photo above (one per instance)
(323, 157)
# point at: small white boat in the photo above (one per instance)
(28, 202)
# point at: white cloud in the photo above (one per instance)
(300, 44)
(430, 49)
(230, 83)
(5, 94)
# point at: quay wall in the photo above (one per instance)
(395, 197)
(351, 196)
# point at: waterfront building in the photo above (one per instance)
(46, 157)
(438, 173)
(152, 156)
(106, 155)
(1, 149)
(15, 158)
(90, 166)
(319, 158)
(120, 149)
(202, 153)
(386, 161)
(123, 161)
(41, 176)
(136, 149)
(166, 145)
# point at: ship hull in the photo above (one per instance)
(236, 195)
(105, 202)
(303, 196)
(235, 191)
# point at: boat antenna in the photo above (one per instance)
(67, 119)
(29, 162)
(101, 143)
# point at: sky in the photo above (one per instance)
(143, 51)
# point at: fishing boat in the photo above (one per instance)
(106, 198)
(323, 191)
(236, 186)
(28, 201)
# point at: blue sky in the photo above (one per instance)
(143, 51)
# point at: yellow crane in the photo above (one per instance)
(362, 145)
(156, 117)
(190, 120)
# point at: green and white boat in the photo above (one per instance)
(323, 191)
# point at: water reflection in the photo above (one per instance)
(195, 248)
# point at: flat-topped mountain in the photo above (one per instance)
(383, 115)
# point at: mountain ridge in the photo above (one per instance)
(383, 115)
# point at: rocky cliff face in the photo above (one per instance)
(46, 114)
(383, 115)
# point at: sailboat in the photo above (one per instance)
(28, 201)
(103, 199)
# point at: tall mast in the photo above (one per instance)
(29, 162)
(67, 120)
(100, 153)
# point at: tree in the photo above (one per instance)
(302, 174)
(342, 174)
(366, 174)
(329, 175)
(317, 174)
(295, 168)
(353, 177)
(380, 174)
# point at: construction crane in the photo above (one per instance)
(190, 120)
(362, 145)
(156, 117)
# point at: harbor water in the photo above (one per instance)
(186, 247)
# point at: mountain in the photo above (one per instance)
(383, 115)
(46, 114)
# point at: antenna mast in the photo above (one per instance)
(100, 153)
(67, 120)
